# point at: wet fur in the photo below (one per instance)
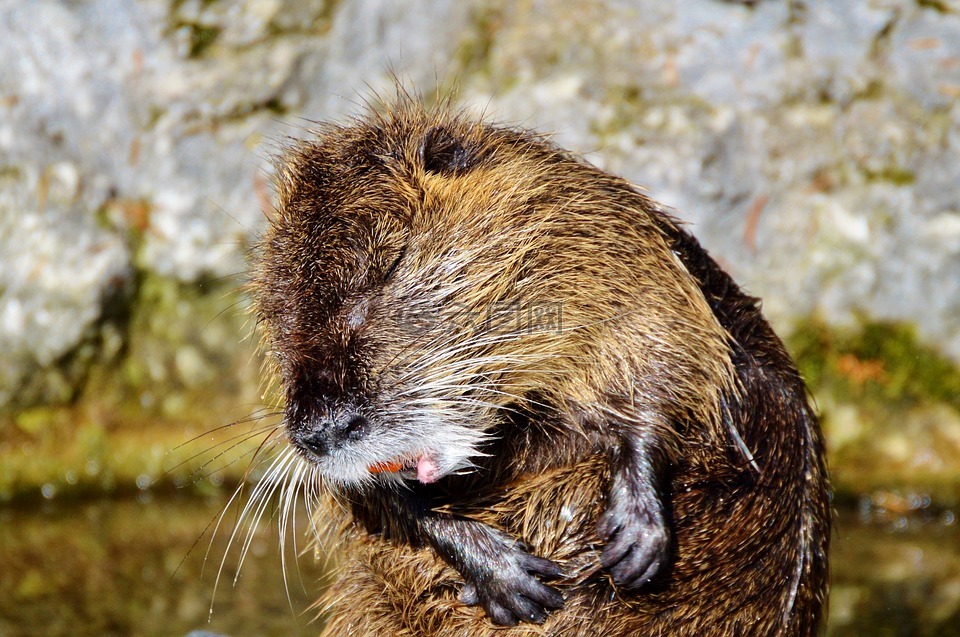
(659, 448)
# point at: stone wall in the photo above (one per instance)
(813, 145)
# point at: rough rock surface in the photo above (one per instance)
(814, 146)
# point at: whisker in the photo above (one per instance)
(282, 458)
(243, 436)
(234, 442)
(267, 487)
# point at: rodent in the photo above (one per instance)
(531, 398)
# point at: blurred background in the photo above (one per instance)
(814, 147)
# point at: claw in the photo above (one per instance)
(637, 541)
(512, 592)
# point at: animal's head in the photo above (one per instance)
(402, 292)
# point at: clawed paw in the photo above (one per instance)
(512, 592)
(637, 540)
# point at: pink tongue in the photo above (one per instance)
(427, 470)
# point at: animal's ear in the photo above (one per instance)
(442, 153)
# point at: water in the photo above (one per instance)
(898, 578)
(138, 568)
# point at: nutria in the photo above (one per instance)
(529, 397)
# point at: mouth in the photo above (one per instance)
(423, 467)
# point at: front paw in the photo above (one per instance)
(636, 536)
(510, 591)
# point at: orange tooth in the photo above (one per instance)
(386, 467)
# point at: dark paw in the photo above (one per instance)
(637, 540)
(512, 592)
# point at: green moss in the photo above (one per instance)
(629, 105)
(890, 409)
(201, 38)
(182, 344)
(320, 20)
(937, 5)
(880, 363)
(891, 174)
(82, 450)
(276, 106)
(473, 54)
(176, 5)
(272, 105)
(627, 108)
(184, 369)
(156, 113)
(9, 173)
(874, 90)
(32, 421)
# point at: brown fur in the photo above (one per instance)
(655, 338)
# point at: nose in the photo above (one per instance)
(332, 431)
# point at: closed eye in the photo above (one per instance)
(393, 266)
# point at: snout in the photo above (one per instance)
(319, 434)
